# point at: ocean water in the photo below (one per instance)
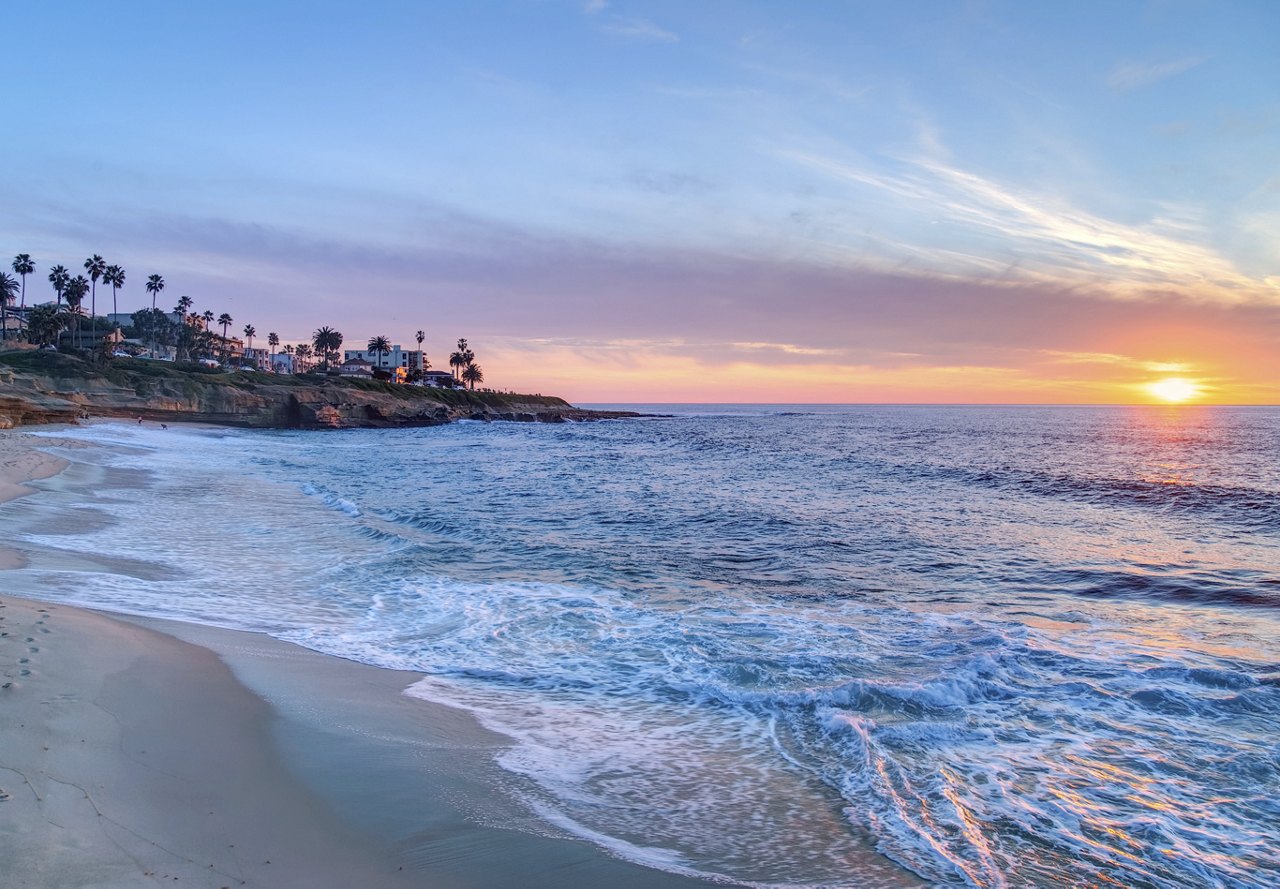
(999, 646)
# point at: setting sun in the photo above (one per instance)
(1173, 389)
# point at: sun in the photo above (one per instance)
(1173, 389)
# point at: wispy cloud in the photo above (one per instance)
(638, 29)
(1108, 358)
(1052, 240)
(591, 7)
(1135, 75)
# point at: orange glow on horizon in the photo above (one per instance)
(643, 372)
(1174, 390)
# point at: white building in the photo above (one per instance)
(259, 358)
(397, 357)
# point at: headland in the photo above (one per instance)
(38, 387)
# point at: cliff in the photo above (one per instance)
(49, 387)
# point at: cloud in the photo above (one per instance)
(591, 7)
(1135, 75)
(638, 29)
(1048, 240)
(1126, 361)
(669, 182)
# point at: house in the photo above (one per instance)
(14, 326)
(409, 359)
(260, 359)
(438, 378)
(356, 367)
(283, 363)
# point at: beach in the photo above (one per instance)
(135, 750)
(775, 646)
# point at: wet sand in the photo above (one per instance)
(136, 751)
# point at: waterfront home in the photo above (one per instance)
(408, 359)
(440, 379)
(356, 367)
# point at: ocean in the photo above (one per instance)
(1001, 646)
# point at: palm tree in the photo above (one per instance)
(461, 358)
(456, 361)
(326, 340)
(58, 277)
(226, 321)
(154, 285)
(23, 266)
(96, 266)
(249, 333)
(114, 276)
(9, 289)
(472, 374)
(381, 345)
(303, 353)
(207, 317)
(75, 290)
(272, 341)
(184, 305)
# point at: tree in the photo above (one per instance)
(225, 320)
(96, 266)
(153, 325)
(273, 340)
(75, 291)
(327, 341)
(23, 266)
(155, 284)
(114, 276)
(58, 277)
(183, 307)
(207, 316)
(44, 323)
(9, 289)
(303, 353)
(381, 345)
(472, 374)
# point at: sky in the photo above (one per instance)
(939, 202)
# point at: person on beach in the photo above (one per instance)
(139, 421)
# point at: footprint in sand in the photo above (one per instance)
(33, 649)
(4, 794)
(24, 660)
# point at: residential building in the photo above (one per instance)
(356, 367)
(438, 378)
(258, 358)
(408, 359)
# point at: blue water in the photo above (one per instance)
(999, 646)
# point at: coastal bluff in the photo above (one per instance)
(52, 387)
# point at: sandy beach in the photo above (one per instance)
(139, 751)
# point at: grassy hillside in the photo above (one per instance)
(143, 376)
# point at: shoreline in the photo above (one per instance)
(136, 748)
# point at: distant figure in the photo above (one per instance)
(139, 421)
(164, 425)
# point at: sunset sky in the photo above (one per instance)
(682, 201)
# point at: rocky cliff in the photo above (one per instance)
(54, 388)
